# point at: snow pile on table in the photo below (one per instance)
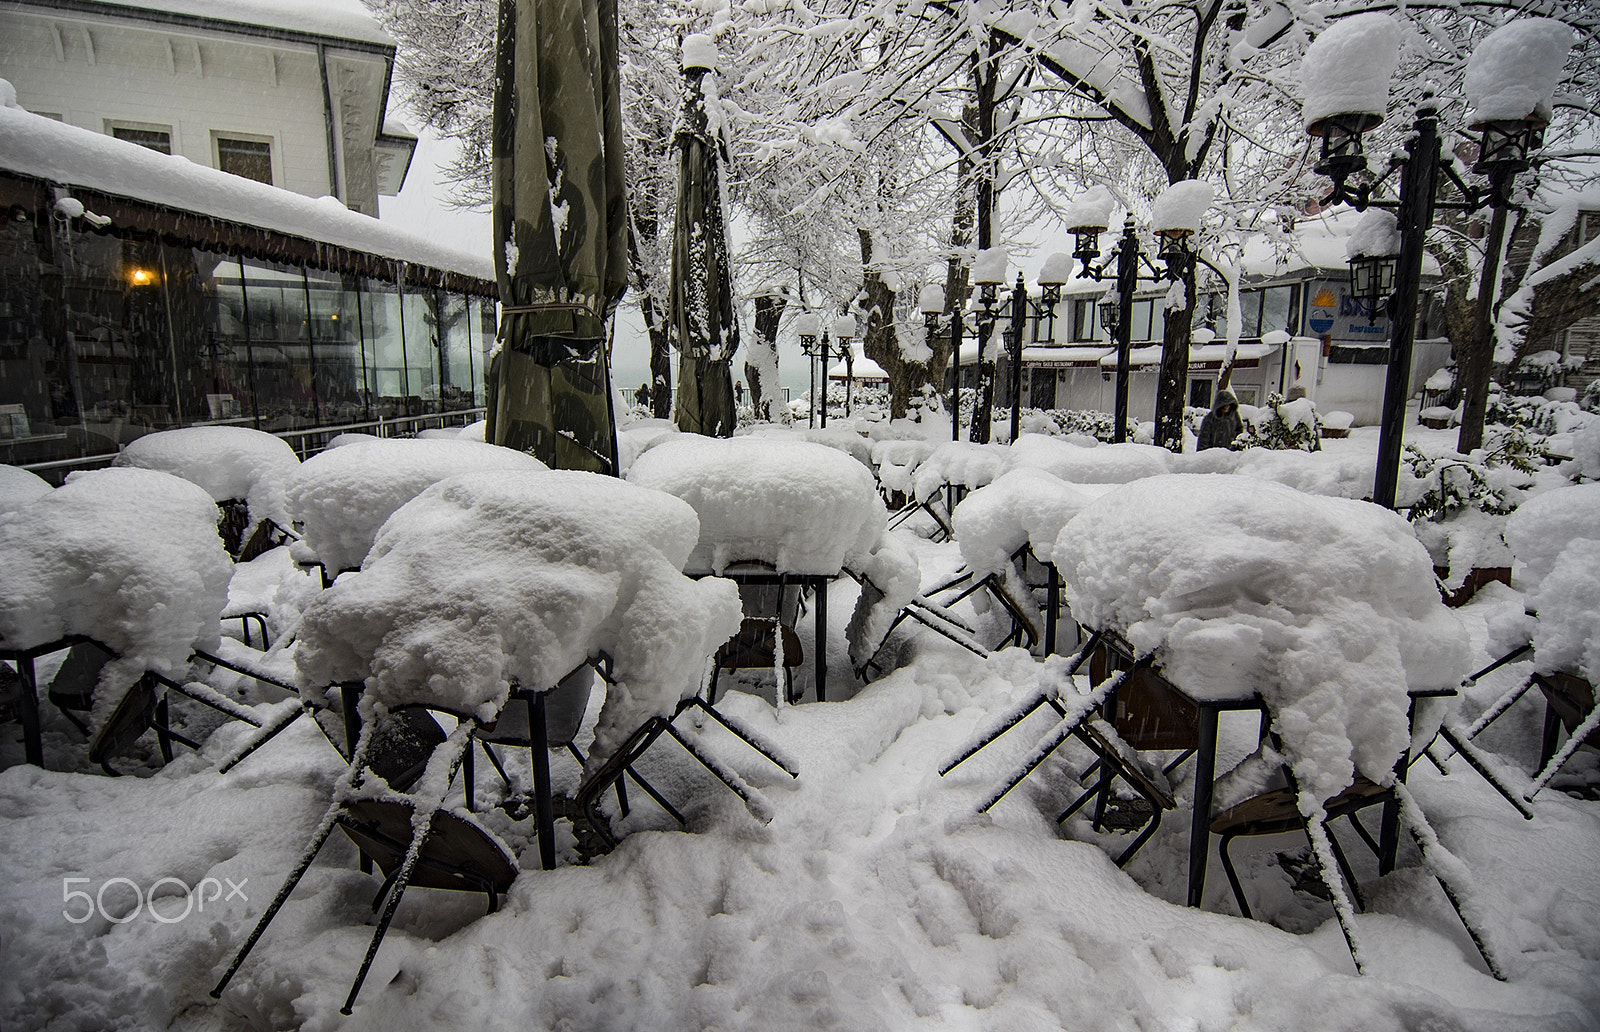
(1026, 506)
(798, 506)
(128, 557)
(342, 496)
(960, 464)
(637, 437)
(1348, 66)
(19, 486)
(227, 461)
(1325, 606)
(501, 574)
(1513, 73)
(840, 438)
(1543, 526)
(1346, 474)
(1096, 464)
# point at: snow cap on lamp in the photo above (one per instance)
(1346, 70)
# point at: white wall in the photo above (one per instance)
(88, 70)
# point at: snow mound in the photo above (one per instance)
(1326, 607)
(1567, 635)
(897, 460)
(800, 506)
(1092, 209)
(848, 441)
(961, 464)
(226, 461)
(501, 574)
(1377, 235)
(1347, 68)
(1099, 464)
(128, 557)
(1514, 72)
(1544, 525)
(1026, 506)
(342, 496)
(19, 486)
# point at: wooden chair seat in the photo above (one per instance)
(1276, 812)
(457, 854)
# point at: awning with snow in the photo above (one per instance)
(560, 217)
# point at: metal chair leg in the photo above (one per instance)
(1233, 875)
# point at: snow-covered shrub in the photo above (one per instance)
(1282, 425)
(1460, 512)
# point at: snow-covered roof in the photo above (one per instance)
(1136, 357)
(340, 19)
(56, 152)
(861, 368)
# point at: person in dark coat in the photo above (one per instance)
(1222, 424)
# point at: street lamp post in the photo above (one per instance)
(930, 299)
(805, 326)
(1503, 153)
(988, 272)
(1129, 261)
(1019, 320)
(844, 331)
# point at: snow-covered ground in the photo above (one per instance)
(875, 898)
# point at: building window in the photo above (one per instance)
(1200, 394)
(154, 137)
(251, 159)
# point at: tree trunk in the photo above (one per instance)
(1475, 360)
(765, 393)
(1177, 331)
(986, 73)
(660, 347)
(879, 339)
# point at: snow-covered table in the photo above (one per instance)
(1319, 611)
(801, 512)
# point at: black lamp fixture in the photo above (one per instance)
(1372, 281)
(1110, 306)
(1342, 154)
(1503, 151)
(1176, 251)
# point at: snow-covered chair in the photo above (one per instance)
(1555, 537)
(777, 512)
(128, 559)
(486, 584)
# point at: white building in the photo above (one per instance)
(293, 93)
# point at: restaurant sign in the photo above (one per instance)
(1333, 313)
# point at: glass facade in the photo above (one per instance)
(104, 339)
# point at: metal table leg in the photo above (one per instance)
(1205, 769)
(821, 644)
(32, 743)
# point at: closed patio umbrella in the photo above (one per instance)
(701, 314)
(560, 218)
